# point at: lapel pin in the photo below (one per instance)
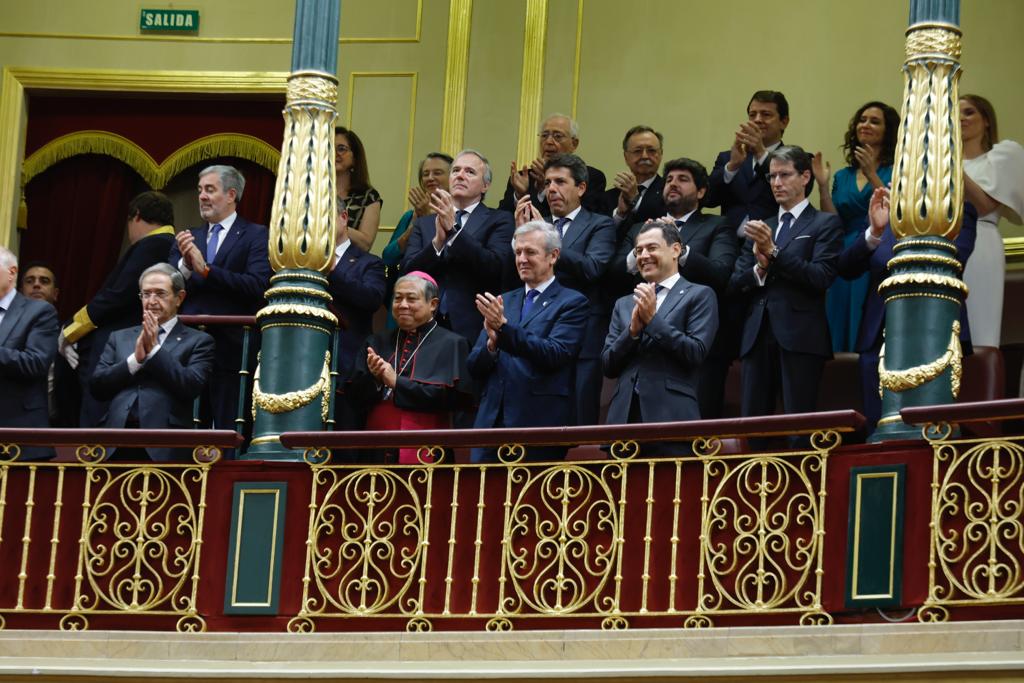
(544, 304)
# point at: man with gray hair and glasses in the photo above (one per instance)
(28, 343)
(153, 372)
(226, 270)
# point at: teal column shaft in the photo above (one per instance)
(315, 38)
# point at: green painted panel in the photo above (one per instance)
(254, 554)
(874, 571)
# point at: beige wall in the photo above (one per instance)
(686, 68)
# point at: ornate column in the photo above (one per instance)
(292, 387)
(921, 357)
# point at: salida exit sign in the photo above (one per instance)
(164, 20)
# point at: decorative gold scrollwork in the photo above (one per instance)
(826, 440)
(191, 623)
(293, 400)
(815, 619)
(499, 625)
(937, 431)
(206, 455)
(706, 447)
(562, 536)
(698, 621)
(430, 455)
(923, 279)
(73, 621)
(3, 622)
(624, 450)
(614, 624)
(297, 309)
(301, 625)
(317, 456)
(932, 614)
(902, 380)
(9, 452)
(419, 625)
(91, 454)
(510, 453)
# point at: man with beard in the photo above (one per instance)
(587, 245)
(636, 194)
(707, 258)
(559, 134)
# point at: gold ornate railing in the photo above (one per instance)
(99, 538)
(976, 544)
(616, 541)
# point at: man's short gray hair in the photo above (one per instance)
(552, 240)
(574, 127)
(177, 279)
(7, 258)
(230, 179)
(430, 290)
(481, 157)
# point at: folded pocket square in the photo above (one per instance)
(801, 237)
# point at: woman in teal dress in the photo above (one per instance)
(433, 174)
(869, 147)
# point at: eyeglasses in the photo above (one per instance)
(555, 135)
(161, 294)
(781, 175)
(341, 149)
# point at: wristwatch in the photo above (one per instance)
(774, 252)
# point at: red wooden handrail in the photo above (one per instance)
(773, 425)
(974, 411)
(190, 438)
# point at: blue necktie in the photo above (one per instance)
(531, 296)
(458, 221)
(787, 219)
(211, 243)
(561, 224)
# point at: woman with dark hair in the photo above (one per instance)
(994, 183)
(353, 178)
(869, 146)
(433, 174)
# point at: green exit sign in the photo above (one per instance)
(162, 20)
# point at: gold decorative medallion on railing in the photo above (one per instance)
(976, 553)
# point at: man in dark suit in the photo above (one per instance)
(636, 194)
(786, 266)
(708, 257)
(739, 180)
(464, 246)
(226, 270)
(872, 253)
(587, 246)
(153, 372)
(113, 307)
(659, 337)
(559, 134)
(526, 352)
(357, 284)
(28, 343)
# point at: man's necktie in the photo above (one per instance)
(680, 224)
(531, 296)
(787, 219)
(211, 243)
(562, 224)
(458, 221)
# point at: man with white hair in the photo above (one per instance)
(526, 354)
(28, 343)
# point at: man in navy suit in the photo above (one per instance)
(559, 134)
(464, 246)
(28, 343)
(636, 194)
(587, 246)
(113, 307)
(872, 254)
(153, 372)
(659, 337)
(525, 355)
(739, 180)
(357, 284)
(226, 270)
(785, 267)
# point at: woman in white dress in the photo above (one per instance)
(994, 184)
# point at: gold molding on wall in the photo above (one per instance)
(456, 75)
(576, 57)
(412, 106)
(14, 111)
(217, 39)
(533, 79)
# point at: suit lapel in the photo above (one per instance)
(11, 317)
(674, 297)
(234, 234)
(540, 303)
(577, 227)
(174, 337)
(690, 228)
(514, 305)
(475, 220)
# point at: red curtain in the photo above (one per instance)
(76, 222)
